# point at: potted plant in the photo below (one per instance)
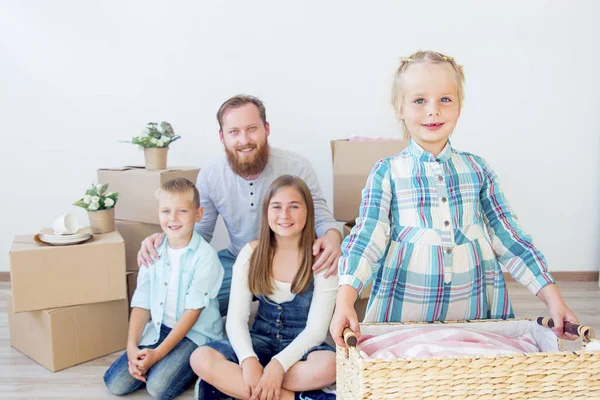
(155, 141)
(100, 205)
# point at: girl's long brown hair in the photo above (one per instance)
(260, 276)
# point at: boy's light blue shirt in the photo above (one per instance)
(200, 278)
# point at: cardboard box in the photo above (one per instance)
(44, 276)
(136, 187)
(63, 337)
(352, 163)
(133, 233)
(366, 293)
(131, 285)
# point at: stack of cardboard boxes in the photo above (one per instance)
(69, 304)
(352, 162)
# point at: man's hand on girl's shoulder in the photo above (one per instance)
(327, 250)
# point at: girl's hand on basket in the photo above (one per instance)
(342, 318)
(269, 386)
(345, 315)
(558, 310)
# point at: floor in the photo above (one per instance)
(22, 378)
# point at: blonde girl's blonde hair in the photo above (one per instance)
(260, 275)
(420, 57)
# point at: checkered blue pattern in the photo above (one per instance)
(432, 233)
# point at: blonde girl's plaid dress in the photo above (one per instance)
(432, 233)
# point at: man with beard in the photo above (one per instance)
(235, 185)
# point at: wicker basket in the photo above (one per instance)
(558, 375)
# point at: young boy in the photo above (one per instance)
(174, 308)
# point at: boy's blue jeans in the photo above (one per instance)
(166, 379)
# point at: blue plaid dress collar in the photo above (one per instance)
(425, 156)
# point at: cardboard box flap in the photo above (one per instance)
(139, 168)
(28, 242)
(364, 154)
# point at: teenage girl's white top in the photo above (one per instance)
(317, 324)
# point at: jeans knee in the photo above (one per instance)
(115, 385)
(158, 389)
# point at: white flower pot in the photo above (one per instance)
(102, 221)
(156, 157)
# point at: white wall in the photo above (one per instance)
(76, 78)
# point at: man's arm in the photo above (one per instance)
(206, 227)
(327, 247)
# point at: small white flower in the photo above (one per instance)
(87, 199)
(95, 199)
(98, 188)
(153, 141)
(109, 202)
(159, 143)
(93, 206)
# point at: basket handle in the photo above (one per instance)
(586, 333)
(350, 337)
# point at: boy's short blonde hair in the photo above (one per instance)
(424, 57)
(180, 186)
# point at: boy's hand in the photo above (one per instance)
(146, 358)
(344, 316)
(269, 386)
(252, 371)
(131, 358)
(133, 371)
(148, 249)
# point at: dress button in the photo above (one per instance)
(448, 251)
(440, 178)
(158, 324)
(251, 204)
(446, 223)
(279, 307)
(161, 303)
(444, 199)
(251, 193)
(278, 336)
(278, 321)
(251, 183)
(166, 283)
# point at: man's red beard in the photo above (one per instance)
(254, 166)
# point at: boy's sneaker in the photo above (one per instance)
(314, 395)
(205, 391)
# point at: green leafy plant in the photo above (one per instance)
(97, 198)
(156, 135)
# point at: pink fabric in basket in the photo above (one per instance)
(443, 341)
